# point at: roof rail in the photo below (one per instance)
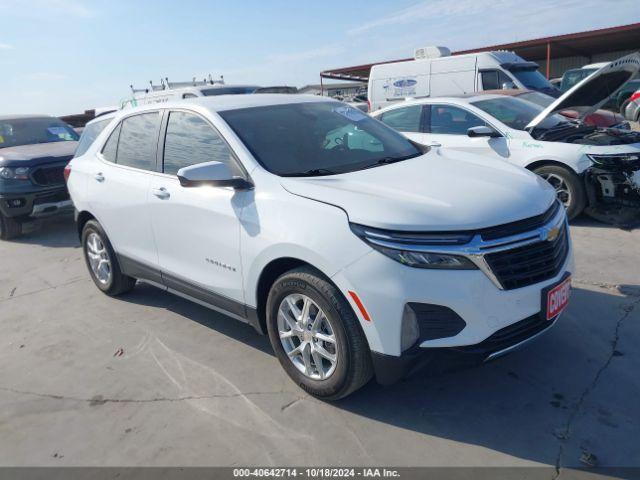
(166, 85)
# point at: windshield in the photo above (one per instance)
(572, 77)
(27, 131)
(318, 138)
(517, 113)
(89, 134)
(532, 79)
(538, 98)
(210, 92)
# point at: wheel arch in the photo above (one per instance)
(269, 274)
(82, 219)
(550, 162)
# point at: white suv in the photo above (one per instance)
(358, 251)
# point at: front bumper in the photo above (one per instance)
(390, 369)
(36, 204)
(468, 311)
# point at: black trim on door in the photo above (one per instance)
(160, 142)
(204, 295)
(425, 120)
(139, 270)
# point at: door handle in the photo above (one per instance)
(161, 193)
(99, 177)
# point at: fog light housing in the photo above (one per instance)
(16, 203)
(410, 330)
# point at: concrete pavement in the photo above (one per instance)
(151, 379)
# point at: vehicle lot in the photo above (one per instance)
(152, 379)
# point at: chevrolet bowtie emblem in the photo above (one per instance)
(553, 233)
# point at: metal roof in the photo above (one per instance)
(22, 116)
(623, 37)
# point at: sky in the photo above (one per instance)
(65, 56)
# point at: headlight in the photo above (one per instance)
(428, 260)
(411, 248)
(9, 173)
(615, 160)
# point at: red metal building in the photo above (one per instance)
(554, 54)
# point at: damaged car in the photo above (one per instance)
(593, 169)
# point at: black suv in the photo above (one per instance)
(34, 150)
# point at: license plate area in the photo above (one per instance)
(555, 298)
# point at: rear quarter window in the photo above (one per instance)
(138, 141)
(110, 149)
(89, 135)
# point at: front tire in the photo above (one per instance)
(569, 188)
(10, 228)
(102, 261)
(316, 335)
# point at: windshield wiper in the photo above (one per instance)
(388, 160)
(314, 172)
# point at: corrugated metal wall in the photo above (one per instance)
(560, 65)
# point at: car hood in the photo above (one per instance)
(436, 191)
(591, 93)
(36, 154)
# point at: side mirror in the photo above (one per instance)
(482, 131)
(216, 174)
(508, 86)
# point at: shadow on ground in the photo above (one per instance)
(569, 397)
(54, 232)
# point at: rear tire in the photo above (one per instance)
(569, 188)
(102, 261)
(351, 368)
(10, 228)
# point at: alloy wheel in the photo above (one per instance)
(98, 258)
(307, 336)
(561, 187)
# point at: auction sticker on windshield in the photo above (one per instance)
(557, 298)
(352, 114)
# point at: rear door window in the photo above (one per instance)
(138, 141)
(404, 119)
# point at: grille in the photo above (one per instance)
(47, 176)
(531, 263)
(509, 336)
(521, 226)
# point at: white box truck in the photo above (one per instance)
(434, 72)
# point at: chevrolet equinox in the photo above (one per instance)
(357, 251)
